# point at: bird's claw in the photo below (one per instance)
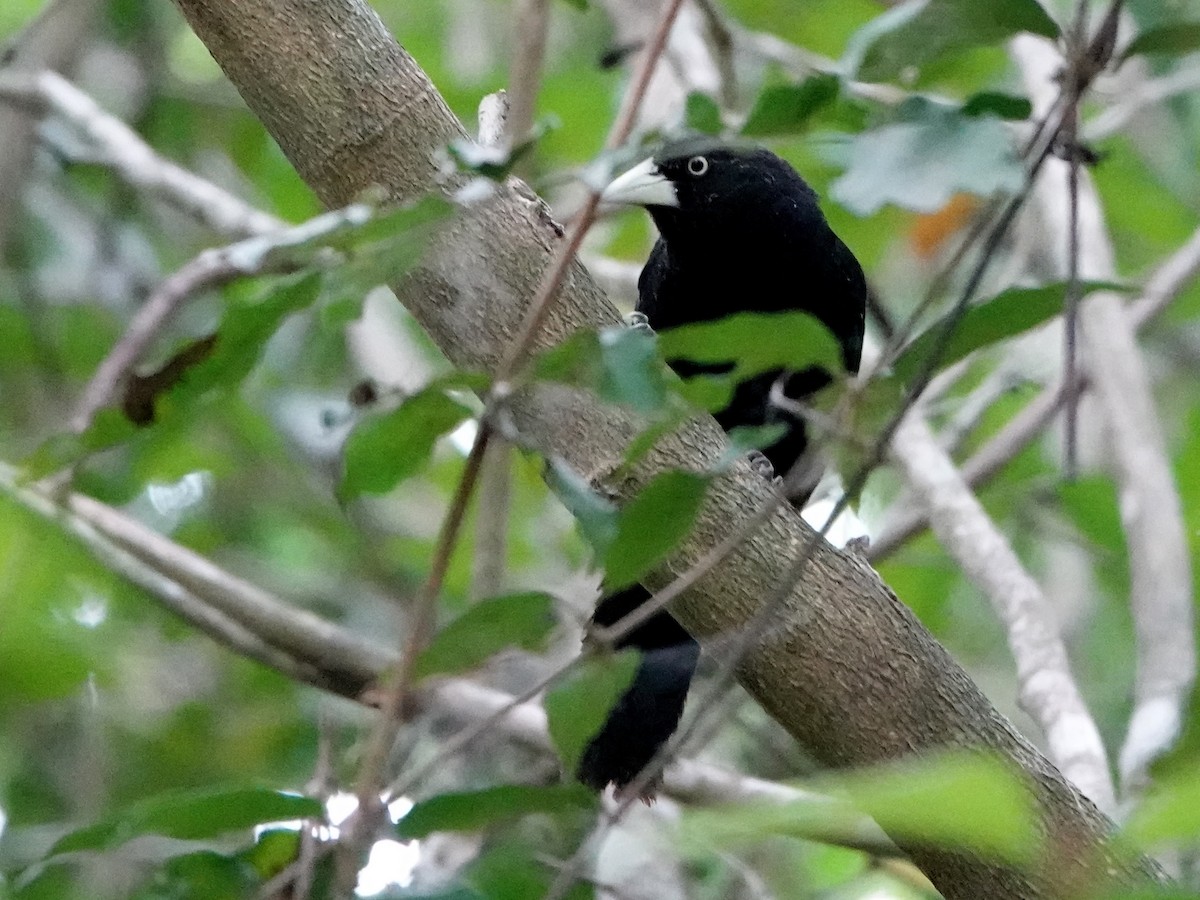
(638, 321)
(762, 466)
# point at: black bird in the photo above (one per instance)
(739, 230)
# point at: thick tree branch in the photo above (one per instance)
(848, 671)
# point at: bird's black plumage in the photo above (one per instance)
(739, 230)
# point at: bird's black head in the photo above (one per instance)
(695, 186)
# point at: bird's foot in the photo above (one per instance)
(638, 321)
(762, 466)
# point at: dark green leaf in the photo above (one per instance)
(1004, 316)
(515, 620)
(385, 449)
(473, 810)
(917, 32)
(596, 515)
(580, 5)
(787, 108)
(926, 157)
(756, 343)
(702, 114)
(1004, 106)
(204, 875)
(577, 706)
(620, 365)
(510, 869)
(1176, 38)
(651, 525)
(191, 815)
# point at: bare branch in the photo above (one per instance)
(1159, 560)
(1047, 688)
(134, 161)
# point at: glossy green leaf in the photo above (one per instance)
(474, 810)
(578, 705)
(385, 449)
(651, 525)
(620, 365)
(788, 108)
(1004, 316)
(756, 343)
(191, 815)
(702, 114)
(1174, 38)
(515, 620)
(925, 157)
(917, 32)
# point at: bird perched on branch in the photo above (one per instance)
(739, 231)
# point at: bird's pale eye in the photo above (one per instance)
(697, 165)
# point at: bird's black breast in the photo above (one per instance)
(801, 266)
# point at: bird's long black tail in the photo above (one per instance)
(649, 711)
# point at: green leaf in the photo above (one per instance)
(651, 525)
(620, 365)
(935, 800)
(474, 810)
(928, 155)
(917, 32)
(1169, 812)
(756, 343)
(1176, 38)
(385, 449)
(204, 875)
(994, 103)
(1004, 316)
(596, 515)
(109, 428)
(788, 108)
(702, 114)
(580, 5)
(938, 799)
(515, 620)
(190, 815)
(577, 707)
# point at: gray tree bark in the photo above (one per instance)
(847, 669)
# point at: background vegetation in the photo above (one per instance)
(140, 753)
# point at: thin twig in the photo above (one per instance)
(369, 785)
(280, 251)
(134, 161)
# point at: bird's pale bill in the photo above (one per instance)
(643, 185)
